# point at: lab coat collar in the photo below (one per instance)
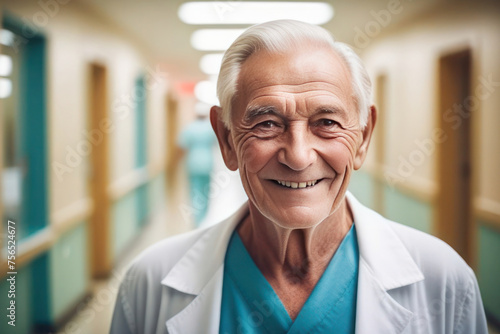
(381, 249)
(195, 269)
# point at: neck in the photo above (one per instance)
(294, 256)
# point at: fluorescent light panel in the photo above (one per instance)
(214, 39)
(252, 12)
(5, 65)
(5, 88)
(6, 37)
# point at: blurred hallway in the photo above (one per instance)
(95, 93)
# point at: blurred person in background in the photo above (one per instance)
(302, 255)
(198, 139)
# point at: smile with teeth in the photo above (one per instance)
(297, 185)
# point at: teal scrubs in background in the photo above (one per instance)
(198, 139)
(250, 305)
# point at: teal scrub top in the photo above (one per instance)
(250, 305)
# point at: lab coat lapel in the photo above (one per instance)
(200, 276)
(385, 264)
(376, 310)
(202, 315)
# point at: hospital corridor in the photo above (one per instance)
(107, 146)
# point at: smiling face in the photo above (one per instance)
(295, 135)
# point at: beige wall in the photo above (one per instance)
(157, 124)
(186, 111)
(77, 37)
(409, 55)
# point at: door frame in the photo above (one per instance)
(98, 181)
(462, 239)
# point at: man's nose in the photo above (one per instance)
(297, 152)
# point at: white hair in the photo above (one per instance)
(281, 36)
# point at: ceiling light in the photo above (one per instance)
(210, 64)
(6, 37)
(5, 65)
(214, 39)
(252, 12)
(5, 88)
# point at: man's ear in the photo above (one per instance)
(367, 135)
(224, 137)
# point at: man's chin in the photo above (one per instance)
(301, 218)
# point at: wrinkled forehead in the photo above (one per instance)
(296, 71)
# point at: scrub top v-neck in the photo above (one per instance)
(250, 305)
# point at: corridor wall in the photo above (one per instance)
(54, 269)
(408, 57)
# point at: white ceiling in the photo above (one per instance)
(154, 23)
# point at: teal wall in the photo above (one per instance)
(362, 187)
(40, 290)
(33, 132)
(23, 303)
(141, 93)
(407, 210)
(131, 211)
(51, 284)
(142, 198)
(489, 268)
(69, 270)
(397, 205)
(156, 193)
(124, 222)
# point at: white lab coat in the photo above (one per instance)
(409, 282)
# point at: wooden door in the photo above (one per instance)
(454, 167)
(99, 179)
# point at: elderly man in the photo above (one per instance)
(302, 256)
